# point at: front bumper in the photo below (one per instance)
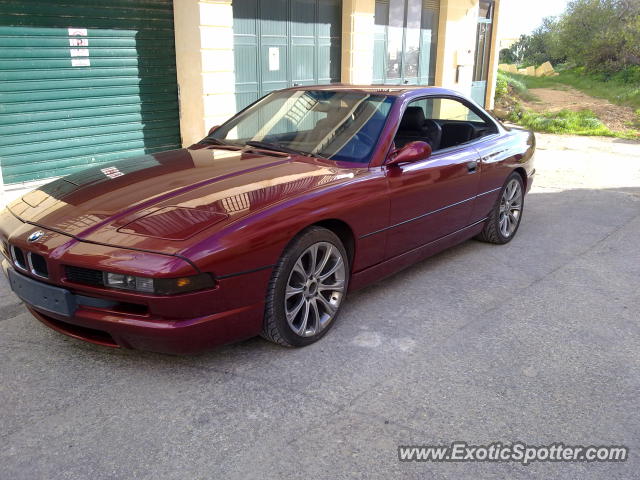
(192, 332)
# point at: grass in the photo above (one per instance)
(583, 122)
(622, 88)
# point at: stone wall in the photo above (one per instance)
(544, 70)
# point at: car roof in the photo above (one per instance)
(390, 90)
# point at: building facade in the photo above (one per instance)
(86, 83)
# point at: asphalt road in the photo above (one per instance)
(536, 341)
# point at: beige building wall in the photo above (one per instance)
(357, 41)
(205, 65)
(456, 44)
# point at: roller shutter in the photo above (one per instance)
(84, 83)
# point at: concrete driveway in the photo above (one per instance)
(536, 341)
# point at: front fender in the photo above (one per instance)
(257, 241)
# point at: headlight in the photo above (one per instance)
(158, 286)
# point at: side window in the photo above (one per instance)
(446, 109)
(441, 122)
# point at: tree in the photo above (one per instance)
(507, 56)
(540, 46)
(602, 35)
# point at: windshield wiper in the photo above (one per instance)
(217, 141)
(276, 147)
(214, 141)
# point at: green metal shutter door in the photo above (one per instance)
(84, 84)
(281, 43)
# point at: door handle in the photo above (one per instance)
(472, 167)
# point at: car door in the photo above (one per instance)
(434, 197)
(496, 164)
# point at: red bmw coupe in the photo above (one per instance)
(266, 224)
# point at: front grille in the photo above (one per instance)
(84, 276)
(33, 263)
(38, 265)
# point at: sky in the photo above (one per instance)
(523, 16)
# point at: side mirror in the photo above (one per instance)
(212, 129)
(411, 152)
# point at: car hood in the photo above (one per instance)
(160, 202)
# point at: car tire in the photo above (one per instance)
(306, 291)
(504, 219)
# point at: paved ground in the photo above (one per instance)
(535, 341)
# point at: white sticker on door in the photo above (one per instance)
(274, 59)
(79, 52)
(78, 42)
(80, 62)
(112, 172)
(82, 32)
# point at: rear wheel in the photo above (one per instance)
(503, 221)
(306, 289)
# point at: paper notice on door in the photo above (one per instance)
(78, 42)
(79, 52)
(82, 32)
(274, 59)
(80, 62)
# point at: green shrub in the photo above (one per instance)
(630, 76)
(502, 86)
(517, 85)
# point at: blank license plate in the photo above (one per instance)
(42, 296)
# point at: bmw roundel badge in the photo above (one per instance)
(37, 235)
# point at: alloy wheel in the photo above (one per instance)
(510, 208)
(315, 288)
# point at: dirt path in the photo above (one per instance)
(615, 117)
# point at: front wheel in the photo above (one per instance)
(306, 289)
(503, 221)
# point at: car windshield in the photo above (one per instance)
(330, 124)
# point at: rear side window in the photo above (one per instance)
(442, 123)
(447, 109)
